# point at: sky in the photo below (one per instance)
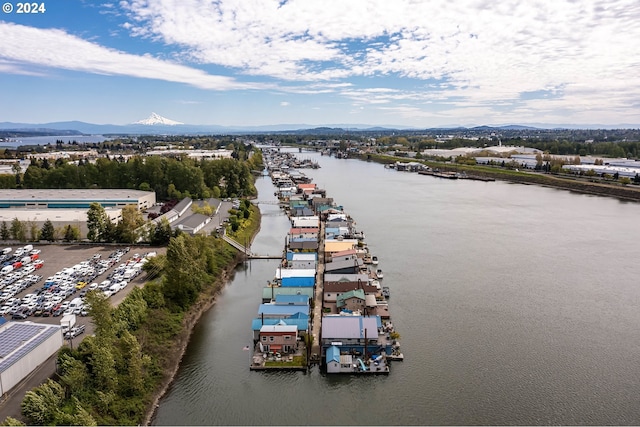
(413, 63)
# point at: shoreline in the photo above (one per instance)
(206, 302)
(191, 320)
(627, 193)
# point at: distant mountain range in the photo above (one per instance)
(156, 124)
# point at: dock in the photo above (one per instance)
(323, 251)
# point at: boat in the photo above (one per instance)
(385, 292)
(379, 274)
(374, 260)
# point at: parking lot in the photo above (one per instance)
(56, 258)
(66, 273)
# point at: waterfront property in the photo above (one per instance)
(281, 338)
(269, 293)
(348, 326)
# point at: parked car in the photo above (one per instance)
(75, 331)
(19, 315)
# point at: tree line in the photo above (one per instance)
(168, 177)
(111, 376)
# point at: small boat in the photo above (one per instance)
(379, 274)
(374, 260)
(385, 292)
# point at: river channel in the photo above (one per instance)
(516, 304)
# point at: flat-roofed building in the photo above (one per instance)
(23, 347)
(75, 198)
(68, 207)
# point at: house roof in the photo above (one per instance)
(278, 327)
(328, 277)
(339, 264)
(302, 256)
(349, 286)
(294, 272)
(333, 354)
(339, 245)
(292, 299)
(356, 293)
(336, 328)
(344, 253)
(301, 323)
(268, 291)
(298, 230)
(270, 309)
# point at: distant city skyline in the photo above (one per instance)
(404, 63)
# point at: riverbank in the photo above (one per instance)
(205, 302)
(625, 192)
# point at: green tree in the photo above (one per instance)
(4, 231)
(96, 222)
(41, 404)
(73, 373)
(161, 233)
(9, 421)
(71, 233)
(34, 233)
(47, 232)
(18, 230)
(128, 227)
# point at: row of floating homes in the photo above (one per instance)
(325, 287)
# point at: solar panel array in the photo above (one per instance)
(19, 339)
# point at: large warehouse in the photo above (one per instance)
(75, 199)
(64, 207)
(23, 347)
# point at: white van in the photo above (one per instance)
(115, 288)
(7, 269)
(27, 249)
(26, 260)
(76, 303)
(6, 251)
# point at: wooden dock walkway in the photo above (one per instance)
(247, 251)
(316, 318)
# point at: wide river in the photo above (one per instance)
(517, 304)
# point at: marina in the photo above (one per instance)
(553, 347)
(343, 325)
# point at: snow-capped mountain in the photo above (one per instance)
(157, 119)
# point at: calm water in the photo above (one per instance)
(516, 305)
(44, 140)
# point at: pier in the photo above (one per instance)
(316, 349)
(247, 251)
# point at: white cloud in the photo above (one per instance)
(285, 104)
(484, 51)
(22, 45)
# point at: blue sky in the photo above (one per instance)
(377, 62)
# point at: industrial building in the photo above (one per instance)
(75, 199)
(64, 207)
(23, 347)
